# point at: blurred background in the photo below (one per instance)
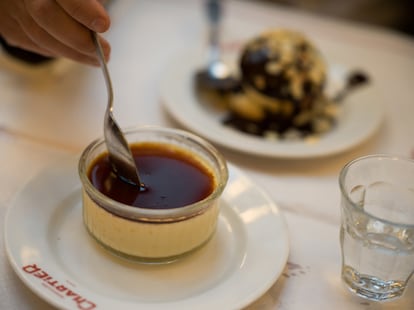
(391, 15)
(396, 15)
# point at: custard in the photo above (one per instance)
(173, 213)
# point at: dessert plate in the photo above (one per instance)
(361, 113)
(54, 256)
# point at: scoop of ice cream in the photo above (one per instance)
(282, 87)
(283, 65)
(282, 94)
(282, 72)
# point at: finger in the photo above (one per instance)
(22, 41)
(60, 25)
(56, 22)
(89, 13)
(21, 31)
(26, 44)
(38, 40)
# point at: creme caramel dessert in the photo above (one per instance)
(173, 213)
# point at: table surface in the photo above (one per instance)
(54, 111)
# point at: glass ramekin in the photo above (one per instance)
(153, 235)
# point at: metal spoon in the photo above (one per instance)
(217, 76)
(354, 79)
(120, 156)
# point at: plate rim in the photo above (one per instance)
(235, 173)
(249, 144)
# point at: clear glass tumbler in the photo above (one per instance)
(377, 225)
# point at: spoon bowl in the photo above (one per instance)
(120, 156)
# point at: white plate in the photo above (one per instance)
(52, 253)
(361, 115)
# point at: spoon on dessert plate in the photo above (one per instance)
(353, 80)
(120, 156)
(217, 76)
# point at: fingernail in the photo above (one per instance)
(99, 25)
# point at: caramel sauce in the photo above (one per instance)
(172, 178)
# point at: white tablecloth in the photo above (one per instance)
(52, 112)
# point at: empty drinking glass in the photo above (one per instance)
(377, 225)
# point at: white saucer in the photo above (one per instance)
(362, 113)
(52, 253)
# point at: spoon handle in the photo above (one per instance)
(105, 71)
(213, 10)
(214, 13)
(120, 156)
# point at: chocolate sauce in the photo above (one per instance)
(172, 178)
(276, 123)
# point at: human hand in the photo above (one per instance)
(55, 28)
